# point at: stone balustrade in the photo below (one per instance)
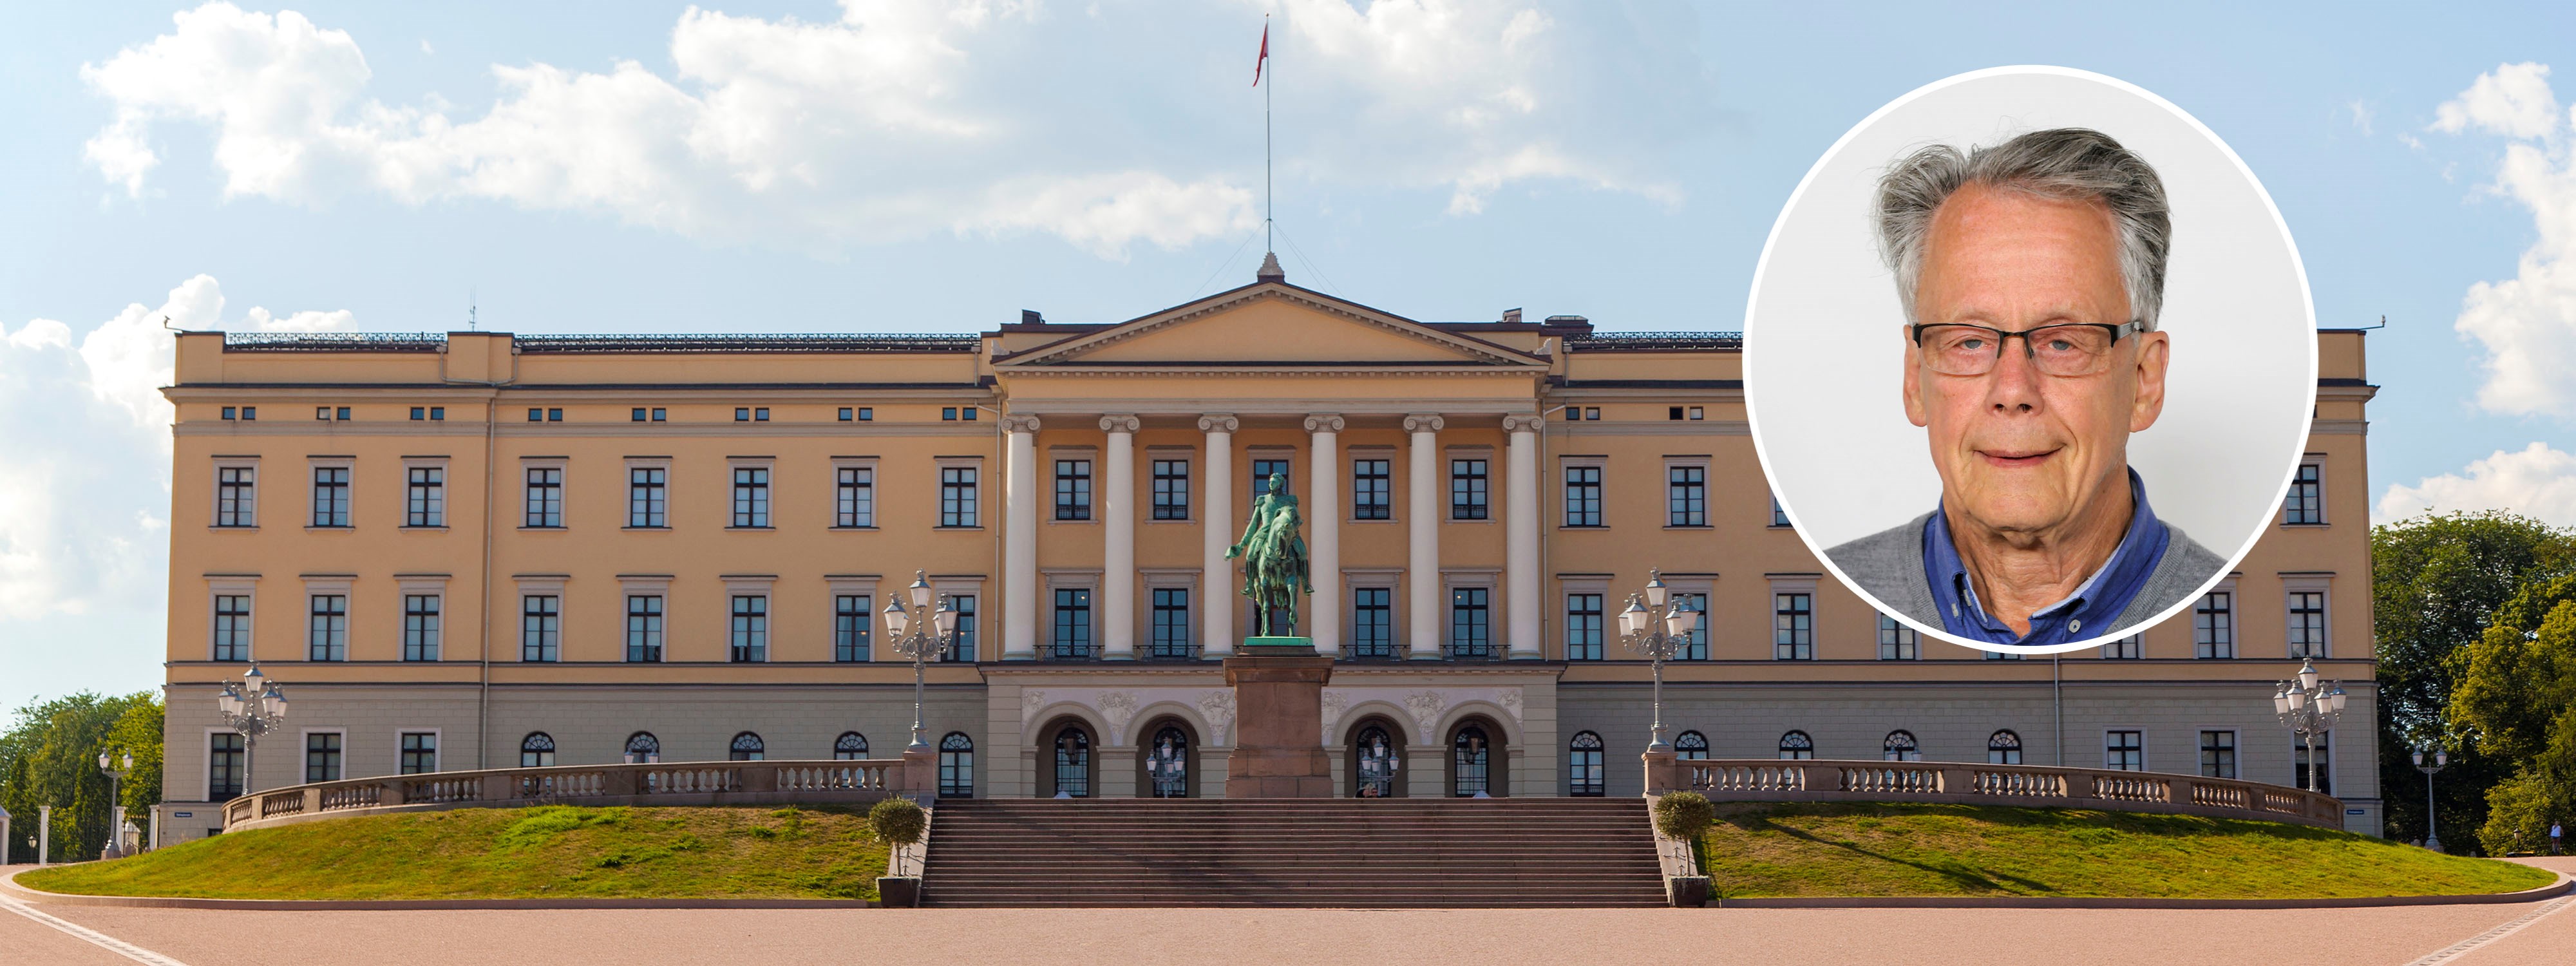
(663, 783)
(1768, 780)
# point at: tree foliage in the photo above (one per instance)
(2516, 701)
(49, 756)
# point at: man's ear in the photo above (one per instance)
(2153, 354)
(1915, 412)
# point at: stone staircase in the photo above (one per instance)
(1343, 853)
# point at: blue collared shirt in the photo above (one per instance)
(2086, 613)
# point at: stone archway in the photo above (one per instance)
(1477, 750)
(1068, 752)
(1375, 739)
(1154, 764)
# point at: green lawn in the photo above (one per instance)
(1960, 850)
(475, 853)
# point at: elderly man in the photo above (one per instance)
(2031, 272)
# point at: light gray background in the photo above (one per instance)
(1824, 347)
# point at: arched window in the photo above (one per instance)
(1167, 762)
(850, 746)
(746, 747)
(642, 748)
(1376, 756)
(956, 766)
(2003, 748)
(1900, 746)
(537, 750)
(1691, 746)
(1472, 760)
(1796, 746)
(1583, 765)
(1073, 763)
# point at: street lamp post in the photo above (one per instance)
(2309, 707)
(918, 641)
(115, 772)
(2441, 759)
(252, 706)
(1656, 627)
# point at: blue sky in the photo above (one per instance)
(794, 166)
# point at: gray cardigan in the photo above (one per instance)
(1889, 564)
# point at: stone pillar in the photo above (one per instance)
(1278, 721)
(1422, 559)
(1664, 773)
(1020, 540)
(1324, 526)
(1216, 522)
(1520, 536)
(1118, 538)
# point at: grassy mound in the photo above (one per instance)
(548, 852)
(1963, 850)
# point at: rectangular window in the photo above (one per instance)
(1073, 489)
(1793, 627)
(1371, 493)
(2218, 754)
(1471, 622)
(232, 627)
(1469, 488)
(1372, 622)
(330, 496)
(327, 631)
(545, 497)
(2307, 623)
(1583, 627)
(636, 415)
(854, 496)
(1583, 496)
(419, 752)
(2124, 750)
(1171, 489)
(1686, 496)
(849, 627)
(1072, 624)
(750, 628)
(661, 415)
(1695, 646)
(1897, 642)
(420, 627)
(2306, 503)
(536, 414)
(751, 496)
(957, 496)
(425, 497)
(223, 766)
(644, 628)
(1171, 633)
(322, 756)
(236, 496)
(646, 495)
(1263, 470)
(948, 413)
(2128, 648)
(1779, 517)
(966, 630)
(540, 627)
(2213, 625)
(2323, 762)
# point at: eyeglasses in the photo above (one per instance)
(2065, 349)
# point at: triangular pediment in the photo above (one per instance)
(1270, 324)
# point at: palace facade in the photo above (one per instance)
(484, 550)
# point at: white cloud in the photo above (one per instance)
(903, 118)
(2361, 114)
(2526, 324)
(2537, 481)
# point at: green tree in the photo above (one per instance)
(2436, 582)
(49, 756)
(2515, 701)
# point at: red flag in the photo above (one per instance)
(1265, 55)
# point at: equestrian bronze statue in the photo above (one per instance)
(1274, 560)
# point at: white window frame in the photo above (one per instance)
(2310, 583)
(233, 585)
(2306, 460)
(2235, 620)
(1152, 579)
(835, 587)
(215, 505)
(1567, 587)
(868, 520)
(2238, 746)
(438, 738)
(302, 748)
(1391, 580)
(1598, 462)
(438, 520)
(350, 492)
(563, 490)
(644, 585)
(1350, 483)
(317, 585)
(1186, 456)
(2145, 763)
(1099, 479)
(939, 490)
(206, 765)
(547, 585)
(424, 585)
(1707, 492)
(955, 585)
(1052, 579)
(670, 485)
(768, 465)
(740, 585)
(1803, 584)
(1675, 585)
(1494, 498)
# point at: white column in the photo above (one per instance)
(1324, 524)
(1422, 558)
(1520, 534)
(1216, 522)
(1020, 540)
(1118, 537)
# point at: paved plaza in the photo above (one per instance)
(1969, 937)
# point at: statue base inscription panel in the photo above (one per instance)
(1279, 712)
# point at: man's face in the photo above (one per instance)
(2018, 450)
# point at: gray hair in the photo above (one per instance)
(2070, 163)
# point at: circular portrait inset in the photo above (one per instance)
(2030, 359)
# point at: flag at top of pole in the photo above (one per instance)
(1265, 54)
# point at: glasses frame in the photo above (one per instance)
(2118, 332)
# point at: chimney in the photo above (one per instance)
(1512, 316)
(1031, 317)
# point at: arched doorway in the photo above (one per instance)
(1476, 760)
(1167, 760)
(1375, 763)
(1065, 765)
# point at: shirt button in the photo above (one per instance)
(2073, 626)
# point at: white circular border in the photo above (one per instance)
(1753, 300)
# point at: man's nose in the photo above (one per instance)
(2014, 385)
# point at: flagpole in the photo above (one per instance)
(1268, 208)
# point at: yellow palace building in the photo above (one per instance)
(483, 550)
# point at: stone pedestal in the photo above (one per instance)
(1278, 752)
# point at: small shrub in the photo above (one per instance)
(1684, 815)
(898, 821)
